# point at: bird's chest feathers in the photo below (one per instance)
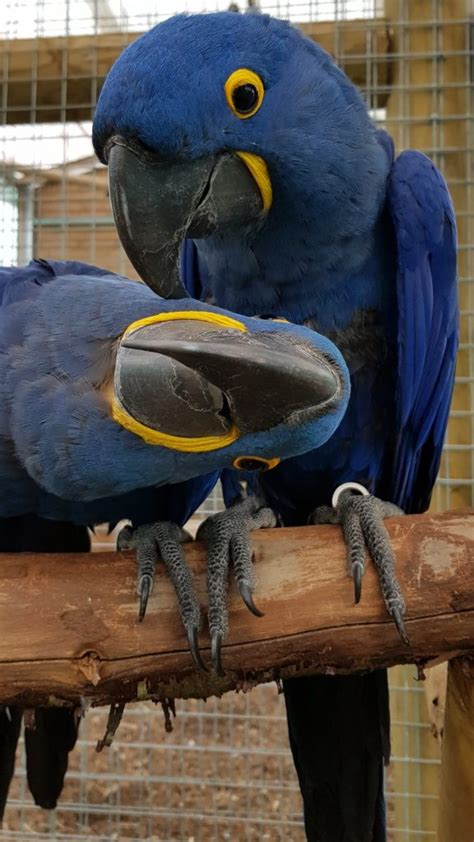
(356, 450)
(292, 277)
(369, 355)
(363, 342)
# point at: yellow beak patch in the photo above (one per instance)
(259, 172)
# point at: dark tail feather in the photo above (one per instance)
(10, 724)
(48, 746)
(339, 730)
(380, 822)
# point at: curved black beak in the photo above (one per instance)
(157, 203)
(190, 378)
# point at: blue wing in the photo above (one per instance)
(15, 283)
(425, 231)
(142, 505)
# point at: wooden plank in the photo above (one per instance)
(58, 79)
(86, 643)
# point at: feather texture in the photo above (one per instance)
(425, 230)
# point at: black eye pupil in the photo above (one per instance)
(245, 98)
(251, 464)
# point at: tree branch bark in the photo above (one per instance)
(69, 632)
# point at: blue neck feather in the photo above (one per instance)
(285, 270)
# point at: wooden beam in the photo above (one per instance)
(456, 808)
(69, 629)
(58, 79)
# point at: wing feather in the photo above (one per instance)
(425, 230)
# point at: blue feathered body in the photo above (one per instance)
(397, 327)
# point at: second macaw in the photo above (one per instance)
(117, 404)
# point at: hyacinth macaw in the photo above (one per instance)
(115, 404)
(241, 135)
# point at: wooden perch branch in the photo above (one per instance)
(69, 629)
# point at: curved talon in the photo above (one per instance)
(400, 624)
(247, 597)
(144, 590)
(192, 635)
(357, 576)
(216, 643)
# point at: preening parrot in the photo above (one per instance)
(115, 403)
(245, 138)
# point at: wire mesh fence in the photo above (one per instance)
(225, 772)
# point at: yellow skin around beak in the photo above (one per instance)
(259, 172)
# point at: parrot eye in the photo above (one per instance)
(244, 98)
(244, 92)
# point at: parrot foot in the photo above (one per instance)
(361, 516)
(162, 540)
(228, 541)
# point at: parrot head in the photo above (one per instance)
(236, 391)
(238, 132)
(108, 388)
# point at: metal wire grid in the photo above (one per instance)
(27, 19)
(225, 772)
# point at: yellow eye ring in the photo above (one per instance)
(244, 93)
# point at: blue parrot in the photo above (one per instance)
(118, 404)
(293, 205)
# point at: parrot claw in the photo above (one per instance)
(361, 516)
(192, 635)
(228, 539)
(144, 589)
(357, 570)
(397, 614)
(246, 594)
(216, 645)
